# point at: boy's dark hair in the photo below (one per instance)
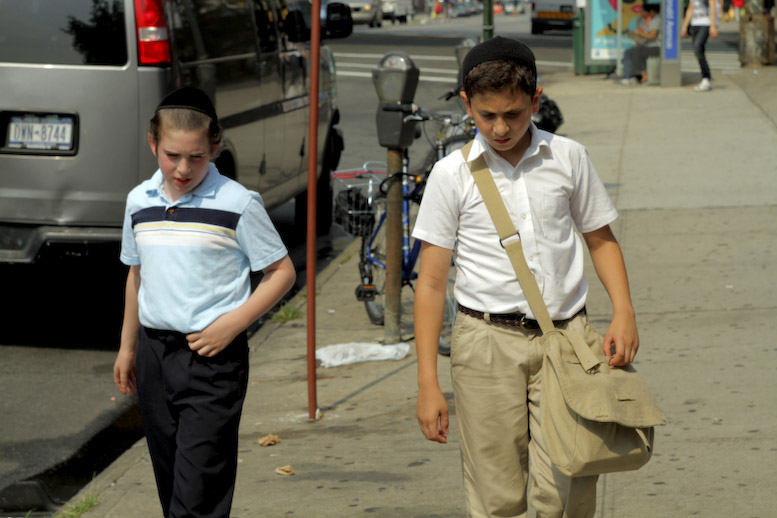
(187, 109)
(494, 76)
(498, 64)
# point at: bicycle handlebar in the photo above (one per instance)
(450, 94)
(418, 114)
(401, 107)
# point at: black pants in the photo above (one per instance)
(700, 34)
(191, 411)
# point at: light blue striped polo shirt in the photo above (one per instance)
(196, 253)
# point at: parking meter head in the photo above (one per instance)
(463, 48)
(396, 77)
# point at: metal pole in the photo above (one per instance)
(392, 314)
(619, 52)
(488, 19)
(310, 267)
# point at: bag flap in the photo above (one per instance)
(593, 389)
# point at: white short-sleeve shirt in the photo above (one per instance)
(195, 254)
(553, 190)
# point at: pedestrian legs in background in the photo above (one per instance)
(641, 56)
(629, 77)
(700, 34)
(704, 86)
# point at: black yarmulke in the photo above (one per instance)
(190, 98)
(498, 49)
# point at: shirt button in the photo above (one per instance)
(523, 216)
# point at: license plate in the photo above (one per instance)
(566, 8)
(46, 133)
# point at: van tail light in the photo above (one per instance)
(153, 41)
(533, 7)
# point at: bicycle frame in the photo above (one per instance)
(409, 254)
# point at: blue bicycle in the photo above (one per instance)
(360, 207)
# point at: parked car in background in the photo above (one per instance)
(552, 14)
(460, 9)
(80, 80)
(475, 8)
(515, 7)
(334, 23)
(367, 11)
(397, 10)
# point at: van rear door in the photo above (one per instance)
(214, 48)
(68, 118)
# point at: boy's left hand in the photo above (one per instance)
(214, 338)
(621, 337)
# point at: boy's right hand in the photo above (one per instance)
(432, 413)
(124, 372)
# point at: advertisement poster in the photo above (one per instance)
(602, 29)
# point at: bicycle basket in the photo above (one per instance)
(355, 193)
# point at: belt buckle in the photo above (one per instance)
(523, 323)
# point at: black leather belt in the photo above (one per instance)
(512, 319)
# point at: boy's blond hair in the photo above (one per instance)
(184, 119)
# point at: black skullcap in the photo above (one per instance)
(190, 98)
(498, 49)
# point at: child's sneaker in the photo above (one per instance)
(631, 81)
(704, 86)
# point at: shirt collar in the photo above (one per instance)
(539, 140)
(206, 188)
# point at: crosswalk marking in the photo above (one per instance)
(430, 79)
(720, 55)
(352, 64)
(423, 69)
(414, 57)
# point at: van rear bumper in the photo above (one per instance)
(23, 243)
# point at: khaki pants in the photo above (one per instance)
(496, 373)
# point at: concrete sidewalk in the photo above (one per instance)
(694, 177)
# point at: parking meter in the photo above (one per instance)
(395, 79)
(462, 49)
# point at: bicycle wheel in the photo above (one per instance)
(450, 145)
(373, 265)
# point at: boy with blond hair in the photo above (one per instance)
(191, 238)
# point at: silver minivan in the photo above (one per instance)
(79, 80)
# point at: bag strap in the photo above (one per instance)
(509, 237)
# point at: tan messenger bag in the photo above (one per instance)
(595, 418)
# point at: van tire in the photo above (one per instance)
(536, 28)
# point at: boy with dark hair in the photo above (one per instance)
(549, 186)
(191, 237)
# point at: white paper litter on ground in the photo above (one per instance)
(354, 352)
